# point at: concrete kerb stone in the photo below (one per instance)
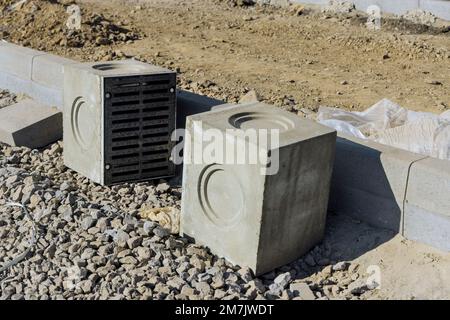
(17, 61)
(440, 8)
(252, 219)
(427, 204)
(14, 84)
(15, 67)
(389, 6)
(34, 73)
(48, 70)
(369, 181)
(393, 189)
(48, 79)
(30, 124)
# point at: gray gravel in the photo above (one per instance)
(7, 98)
(93, 245)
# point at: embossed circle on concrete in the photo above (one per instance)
(221, 195)
(261, 120)
(119, 66)
(82, 120)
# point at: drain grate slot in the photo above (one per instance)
(125, 138)
(156, 109)
(121, 112)
(124, 156)
(139, 121)
(131, 93)
(125, 173)
(128, 103)
(155, 101)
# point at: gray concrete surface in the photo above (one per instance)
(369, 181)
(30, 124)
(34, 73)
(47, 79)
(440, 8)
(16, 60)
(252, 219)
(83, 122)
(427, 205)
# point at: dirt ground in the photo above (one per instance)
(407, 269)
(297, 62)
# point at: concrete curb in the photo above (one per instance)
(35, 73)
(30, 124)
(427, 203)
(393, 189)
(369, 181)
(440, 8)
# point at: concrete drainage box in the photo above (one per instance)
(240, 211)
(118, 118)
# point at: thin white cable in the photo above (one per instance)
(32, 241)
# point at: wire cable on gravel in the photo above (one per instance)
(32, 241)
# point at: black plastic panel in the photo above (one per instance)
(139, 119)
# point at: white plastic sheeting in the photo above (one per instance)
(388, 123)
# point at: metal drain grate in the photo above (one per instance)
(139, 120)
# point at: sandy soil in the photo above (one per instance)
(292, 61)
(407, 269)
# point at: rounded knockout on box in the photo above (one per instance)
(256, 183)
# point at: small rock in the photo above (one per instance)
(148, 227)
(327, 271)
(128, 260)
(121, 238)
(251, 96)
(203, 288)
(434, 82)
(187, 291)
(134, 242)
(353, 267)
(143, 253)
(87, 222)
(302, 290)
(358, 287)
(161, 232)
(162, 187)
(65, 187)
(283, 279)
(341, 266)
(258, 285)
(246, 274)
(66, 212)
